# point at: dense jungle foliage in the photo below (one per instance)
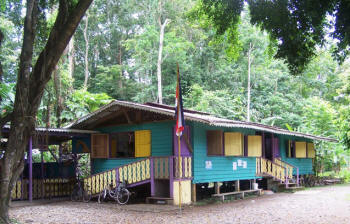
(114, 55)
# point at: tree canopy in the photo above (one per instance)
(297, 27)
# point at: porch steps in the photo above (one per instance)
(159, 200)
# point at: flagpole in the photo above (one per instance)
(179, 143)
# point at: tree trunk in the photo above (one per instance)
(159, 63)
(120, 81)
(1, 71)
(86, 51)
(71, 52)
(31, 82)
(57, 85)
(250, 60)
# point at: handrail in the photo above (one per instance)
(290, 172)
(265, 166)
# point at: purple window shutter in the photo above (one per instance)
(184, 149)
(276, 149)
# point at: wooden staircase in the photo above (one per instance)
(280, 171)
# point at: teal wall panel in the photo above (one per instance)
(100, 165)
(304, 164)
(222, 166)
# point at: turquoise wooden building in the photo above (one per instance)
(136, 143)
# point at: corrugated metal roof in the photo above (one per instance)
(60, 130)
(189, 115)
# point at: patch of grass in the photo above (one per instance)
(14, 221)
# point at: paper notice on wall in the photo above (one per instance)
(208, 165)
(239, 162)
(244, 164)
(234, 166)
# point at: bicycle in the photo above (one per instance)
(120, 194)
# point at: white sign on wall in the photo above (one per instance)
(239, 162)
(244, 164)
(234, 166)
(208, 165)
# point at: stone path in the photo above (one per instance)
(329, 204)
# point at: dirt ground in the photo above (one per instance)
(317, 205)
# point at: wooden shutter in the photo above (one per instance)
(254, 146)
(300, 149)
(99, 146)
(233, 144)
(311, 153)
(214, 143)
(143, 143)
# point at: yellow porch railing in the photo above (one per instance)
(289, 170)
(131, 173)
(265, 166)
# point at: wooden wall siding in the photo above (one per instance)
(99, 146)
(233, 143)
(300, 149)
(304, 164)
(143, 143)
(215, 142)
(254, 146)
(311, 150)
(222, 166)
(161, 143)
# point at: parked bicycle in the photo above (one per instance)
(79, 193)
(120, 194)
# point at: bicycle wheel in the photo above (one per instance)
(102, 196)
(86, 196)
(113, 193)
(75, 194)
(123, 196)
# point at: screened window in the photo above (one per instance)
(291, 149)
(122, 144)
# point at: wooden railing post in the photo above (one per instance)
(171, 175)
(152, 177)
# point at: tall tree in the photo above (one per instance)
(31, 81)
